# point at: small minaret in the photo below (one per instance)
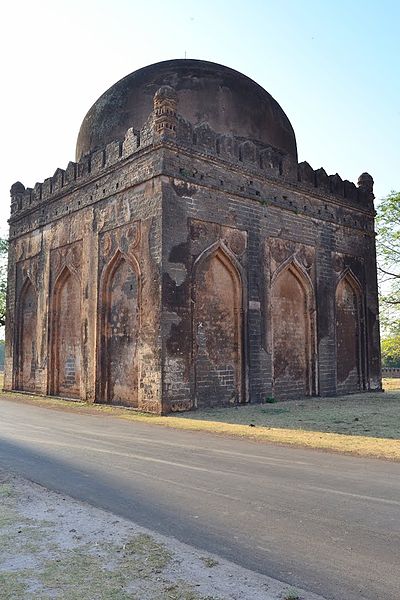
(16, 193)
(366, 185)
(165, 103)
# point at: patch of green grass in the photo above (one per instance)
(7, 505)
(182, 591)
(6, 517)
(209, 561)
(292, 596)
(18, 533)
(274, 411)
(145, 555)
(6, 490)
(7, 543)
(7, 510)
(77, 574)
(108, 572)
(270, 400)
(12, 586)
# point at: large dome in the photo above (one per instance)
(207, 92)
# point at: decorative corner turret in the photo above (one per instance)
(366, 185)
(16, 192)
(165, 104)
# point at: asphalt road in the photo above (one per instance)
(324, 522)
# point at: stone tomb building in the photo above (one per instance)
(186, 259)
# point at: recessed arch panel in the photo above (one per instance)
(218, 330)
(25, 379)
(66, 336)
(292, 324)
(119, 333)
(349, 362)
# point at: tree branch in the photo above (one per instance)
(392, 275)
(387, 248)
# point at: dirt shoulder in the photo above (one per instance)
(52, 546)
(363, 424)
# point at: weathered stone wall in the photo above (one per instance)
(90, 270)
(179, 268)
(293, 248)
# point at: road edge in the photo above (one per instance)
(363, 446)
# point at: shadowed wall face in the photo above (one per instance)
(27, 339)
(67, 336)
(347, 338)
(218, 332)
(121, 331)
(291, 336)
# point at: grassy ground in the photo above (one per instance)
(371, 415)
(362, 424)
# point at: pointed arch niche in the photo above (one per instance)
(218, 327)
(26, 352)
(293, 332)
(349, 335)
(119, 332)
(65, 371)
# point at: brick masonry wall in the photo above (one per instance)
(187, 210)
(113, 202)
(341, 238)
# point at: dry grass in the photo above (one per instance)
(369, 415)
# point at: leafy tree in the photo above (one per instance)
(388, 250)
(3, 279)
(390, 347)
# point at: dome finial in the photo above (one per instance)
(165, 92)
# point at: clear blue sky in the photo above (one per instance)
(333, 67)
